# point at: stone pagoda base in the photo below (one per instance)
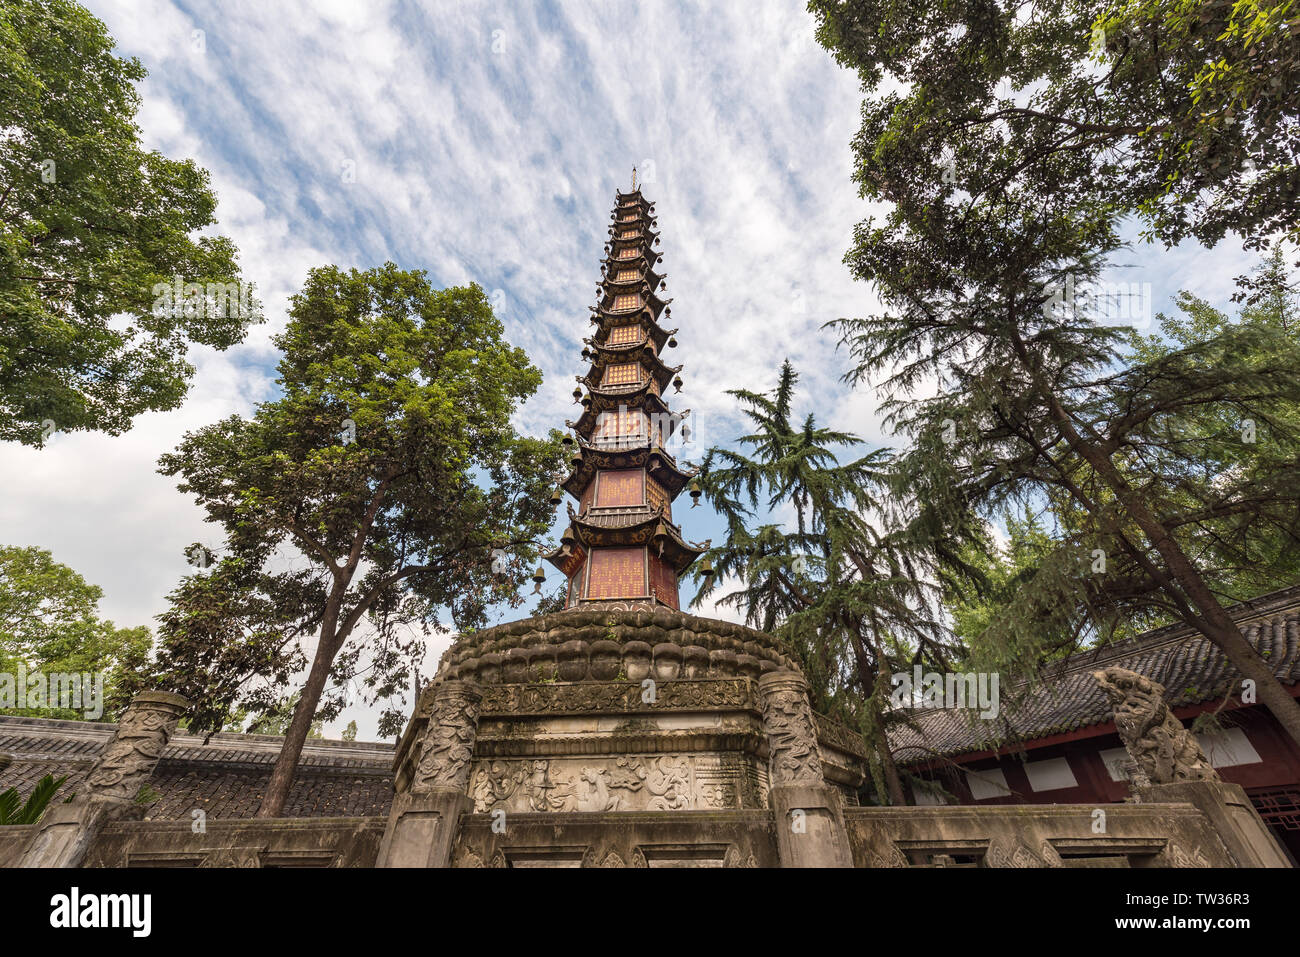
(597, 718)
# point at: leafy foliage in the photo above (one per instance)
(1005, 202)
(1183, 112)
(90, 222)
(29, 812)
(852, 602)
(49, 622)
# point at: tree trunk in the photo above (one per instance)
(867, 678)
(1215, 623)
(286, 765)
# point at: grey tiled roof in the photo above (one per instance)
(225, 777)
(1069, 698)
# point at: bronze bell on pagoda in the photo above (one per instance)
(577, 394)
(539, 576)
(566, 442)
(672, 342)
(576, 459)
(660, 536)
(677, 383)
(557, 497)
(696, 491)
(567, 541)
(706, 569)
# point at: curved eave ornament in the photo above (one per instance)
(643, 397)
(661, 467)
(650, 528)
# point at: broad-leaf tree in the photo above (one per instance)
(1183, 112)
(50, 623)
(383, 495)
(104, 280)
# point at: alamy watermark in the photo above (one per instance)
(68, 691)
(195, 300)
(952, 690)
(1106, 303)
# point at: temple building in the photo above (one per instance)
(1058, 743)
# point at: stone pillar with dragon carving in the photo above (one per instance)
(1172, 768)
(809, 814)
(423, 822)
(110, 789)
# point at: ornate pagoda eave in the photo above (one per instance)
(608, 400)
(621, 197)
(656, 304)
(659, 465)
(631, 527)
(655, 334)
(647, 235)
(649, 310)
(643, 258)
(658, 333)
(609, 286)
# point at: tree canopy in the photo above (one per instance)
(104, 280)
(50, 623)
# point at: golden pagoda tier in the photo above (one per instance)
(621, 544)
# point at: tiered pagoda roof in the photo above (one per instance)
(621, 545)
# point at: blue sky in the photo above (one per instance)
(484, 142)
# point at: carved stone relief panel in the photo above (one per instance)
(657, 782)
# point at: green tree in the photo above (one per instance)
(49, 622)
(998, 221)
(1182, 112)
(90, 224)
(375, 489)
(853, 603)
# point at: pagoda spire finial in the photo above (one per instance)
(634, 179)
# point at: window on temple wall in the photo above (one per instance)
(626, 301)
(624, 488)
(627, 218)
(625, 373)
(626, 275)
(656, 497)
(624, 335)
(663, 582)
(630, 253)
(617, 573)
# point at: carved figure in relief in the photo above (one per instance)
(547, 794)
(1163, 749)
(132, 754)
(669, 781)
(497, 782)
(448, 742)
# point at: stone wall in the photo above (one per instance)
(1064, 835)
(281, 842)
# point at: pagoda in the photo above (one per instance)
(621, 548)
(621, 730)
